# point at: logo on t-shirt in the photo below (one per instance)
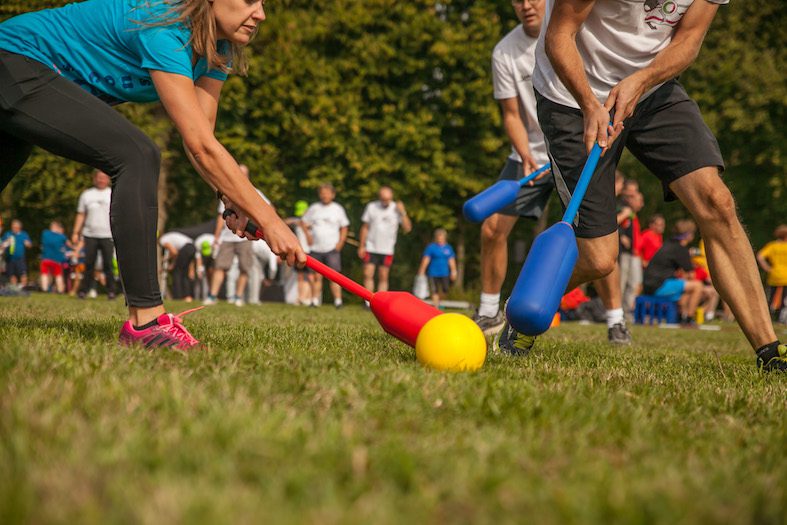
(664, 12)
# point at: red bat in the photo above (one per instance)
(399, 313)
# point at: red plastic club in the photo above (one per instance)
(399, 313)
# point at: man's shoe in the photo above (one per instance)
(111, 296)
(769, 360)
(490, 325)
(169, 332)
(209, 301)
(619, 334)
(509, 341)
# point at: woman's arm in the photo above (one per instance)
(193, 111)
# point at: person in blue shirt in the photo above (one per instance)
(53, 256)
(439, 265)
(62, 69)
(14, 244)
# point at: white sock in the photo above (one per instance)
(337, 302)
(315, 301)
(614, 317)
(490, 304)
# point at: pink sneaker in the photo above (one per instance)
(168, 333)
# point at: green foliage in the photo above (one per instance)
(365, 92)
(298, 415)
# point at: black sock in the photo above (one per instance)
(769, 351)
(145, 326)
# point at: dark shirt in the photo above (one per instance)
(670, 258)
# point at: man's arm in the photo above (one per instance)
(452, 267)
(517, 134)
(79, 222)
(763, 262)
(561, 47)
(671, 61)
(362, 234)
(342, 238)
(407, 224)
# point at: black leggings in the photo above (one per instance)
(92, 246)
(38, 107)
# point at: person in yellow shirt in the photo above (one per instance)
(773, 260)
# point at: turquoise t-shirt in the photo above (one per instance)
(439, 255)
(107, 46)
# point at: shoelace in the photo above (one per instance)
(178, 331)
(523, 342)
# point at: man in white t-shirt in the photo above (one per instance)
(92, 224)
(606, 72)
(328, 223)
(377, 239)
(229, 247)
(513, 60)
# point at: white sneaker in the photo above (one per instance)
(92, 294)
(209, 301)
(239, 302)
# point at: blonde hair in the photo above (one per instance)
(197, 15)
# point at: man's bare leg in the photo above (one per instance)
(494, 261)
(368, 276)
(730, 257)
(383, 272)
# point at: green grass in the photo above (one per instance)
(295, 415)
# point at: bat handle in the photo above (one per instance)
(326, 271)
(539, 171)
(582, 185)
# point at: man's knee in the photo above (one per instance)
(717, 205)
(495, 229)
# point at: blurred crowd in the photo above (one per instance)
(209, 263)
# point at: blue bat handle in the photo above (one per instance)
(539, 171)
(582, 184)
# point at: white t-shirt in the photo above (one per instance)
(94, 203)
(226, 235)
(176, 239)
(618, 38)
(513, 61)
(325, 221)
(383, 227)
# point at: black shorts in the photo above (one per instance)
(531, 200)
(439, 284)
(331, 259)
(666, 133)
(15, 268)
(378, 259)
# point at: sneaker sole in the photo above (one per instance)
(493, 330)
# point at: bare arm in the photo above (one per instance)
(561, 47)
(424, 264)
(407, 224)
(764, 263)
(79, 222)
(342, 238)
(517, 133)
(362, 234)
(671, 61)
(452, 267)
(193, 114)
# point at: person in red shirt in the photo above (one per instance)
(652, 239)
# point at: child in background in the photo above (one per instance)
(53, 256)
(773, 260)
(439, 265)
(14, 244)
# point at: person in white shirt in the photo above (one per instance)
(606, 72)
(303, 277)
(230, 246)
(381, 220)
(328, 225)
(92, 224)
(179, 255)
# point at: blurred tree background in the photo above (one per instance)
(367, 92)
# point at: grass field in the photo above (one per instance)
(302, 416)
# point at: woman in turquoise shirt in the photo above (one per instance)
(61, 70)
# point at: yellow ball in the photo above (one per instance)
(451, 342)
